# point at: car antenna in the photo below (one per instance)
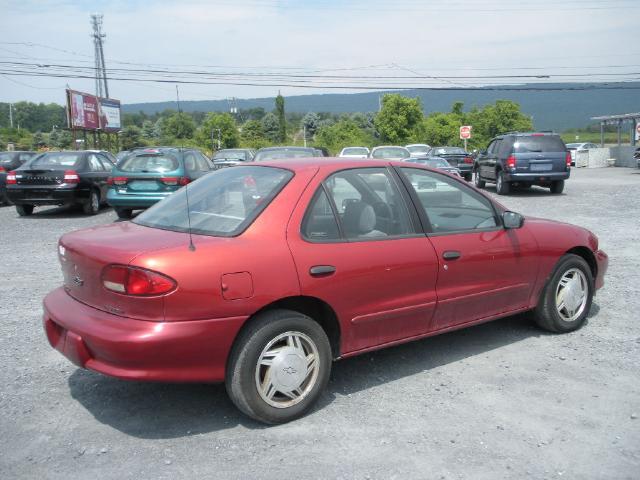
(192, 247)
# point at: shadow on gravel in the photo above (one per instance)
(159, 410)
(528, 192)
(61, 212)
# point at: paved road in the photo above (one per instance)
(501, 400)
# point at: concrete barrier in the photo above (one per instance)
(621, 156)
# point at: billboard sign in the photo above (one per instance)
(88, 112)
(109, 114)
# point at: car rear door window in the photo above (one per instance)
(320, 224)
(450, 206)
(369, 204)
(94, 163)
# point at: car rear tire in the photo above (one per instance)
(478, 181)
(124, 213)
(92, 206)
(557, 187)
(24, 210)
(566, 299)
(502, 186)
(279, 366)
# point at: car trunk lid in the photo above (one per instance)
(84, 254)
(40, 177)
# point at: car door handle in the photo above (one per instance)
(451, 255)
(322, 270)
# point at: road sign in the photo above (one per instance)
(465, 132)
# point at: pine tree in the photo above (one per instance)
(282, 123)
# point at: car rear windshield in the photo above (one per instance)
(284, 153)
(391, 152)
(418, 149)
(230, 155)
(56, 160)
(447, 151)
(149, 163)
(7, 157)
(223, 203)
(542, 143)
(355, 151)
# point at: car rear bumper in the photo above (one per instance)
(189, 351)
(536, 177)
(115, 199)
(602, 261)
(42, 195)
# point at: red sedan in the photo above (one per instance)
(260, 275)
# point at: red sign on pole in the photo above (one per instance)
(465, 132)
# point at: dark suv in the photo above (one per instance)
(523, 160)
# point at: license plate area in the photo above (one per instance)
(144, 186)
(540, 167)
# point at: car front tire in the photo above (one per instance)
(279, 366)
(124, 213)
(92, 207)
(24, 210)
(566, 299)
(478, 181)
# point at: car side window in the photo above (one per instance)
(94, 163)
(107, 165)
(190, 164)
(369, 204)
(495, 145)
(203, 163)
(320, 223)
(449, 205)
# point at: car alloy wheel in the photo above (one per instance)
(572, 295)
(287, 369)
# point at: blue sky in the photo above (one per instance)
(437, 37)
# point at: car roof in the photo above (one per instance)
(331, 163)
(528, 134)
(287, 148)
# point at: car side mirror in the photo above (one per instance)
(512, 220)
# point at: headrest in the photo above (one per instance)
(359, 218)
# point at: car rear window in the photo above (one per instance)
(230, 154)
(149, 163)
(542, 143)
(6, 157)
(284, 153)
(56, 160)
(447, 151)
(355, 151)
(418, 149)
(391, 152)
(223, 203)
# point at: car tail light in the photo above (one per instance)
(468, 160)
(175, 181)
(2, 170)
(136, 281)
(568, 159)
(71, 176)
(11, 178)
(117, 180)
(511, 161)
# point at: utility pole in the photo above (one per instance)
(102, 89)
(304, 130)
(11, 114)
(219, 138)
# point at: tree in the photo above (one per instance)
(310, 123)
(270, 127)
(130, 137)
(342, 134)
(438, 129)
(501, 117)
(179, 125)
(223, 127)
(252, 135)
(282, 121)
(148, 130)
(398, 118)
(38, 140)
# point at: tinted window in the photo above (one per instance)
(94, 164)
(493, 148)
(284, 153)
(449, 205)
(222, 203)
(57, 160)
(203, 162)
(369, 204)
(147, 163)
(355, 151)
(6, 158)
(231, 155)
(320, 223)
(190, 162)
(24, 157)
(542, 143)
(108, 166)
(447, 151)
(390, 152)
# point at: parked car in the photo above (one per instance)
(322, 152)
(418, 149)
(272, 153)
(389, 152)
(437, 163)
(61, 178)
(230, 157)
(457, 157)
(10, 161)
(260, 275)
(148, 175)
(574, 147)
(524, 159)
(636, 155)
(354, 152)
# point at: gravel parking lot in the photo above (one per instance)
(500, 400)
